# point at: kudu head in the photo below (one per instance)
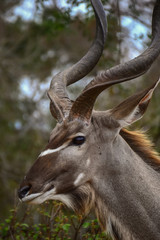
(75, 152)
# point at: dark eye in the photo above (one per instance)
(78, 140)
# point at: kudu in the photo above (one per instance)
(91, 161)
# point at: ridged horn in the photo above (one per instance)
(82, 107)
(60, 102)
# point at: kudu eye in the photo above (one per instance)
(79, 140)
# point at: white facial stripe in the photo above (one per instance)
(49, 151)
(79, 178)
(88, 162)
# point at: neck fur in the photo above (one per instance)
(140, 143)
(84, 199)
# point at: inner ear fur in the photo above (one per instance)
(133, 108)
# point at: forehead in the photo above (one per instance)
(68, 127)
(63, 131)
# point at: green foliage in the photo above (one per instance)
(55, 223)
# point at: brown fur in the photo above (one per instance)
(83, 199)
(141, 144)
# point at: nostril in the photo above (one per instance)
(22, 192)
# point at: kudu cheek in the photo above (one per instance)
(64, 186)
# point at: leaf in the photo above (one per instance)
(86, 224)
(66, 227)
(24, 225)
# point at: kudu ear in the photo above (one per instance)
(133, 108)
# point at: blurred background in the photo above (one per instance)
(39, 38)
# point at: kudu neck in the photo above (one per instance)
(129, 187)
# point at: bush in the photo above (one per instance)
(49, 221)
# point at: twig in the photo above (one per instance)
(78, 228)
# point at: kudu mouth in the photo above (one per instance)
(49, 192)
(26, 194)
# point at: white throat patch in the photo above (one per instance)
(79, 178)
